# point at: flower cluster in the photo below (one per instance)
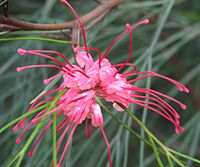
(90, 79)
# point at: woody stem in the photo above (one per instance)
(15, 24)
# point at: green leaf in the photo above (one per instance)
(36, 39)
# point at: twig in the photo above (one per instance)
(5, 9)
(98, 19)
(98, 1)
(22, 25)
(8, 27)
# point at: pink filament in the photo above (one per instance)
(19, 69)
(41, 135)
(157, 101)
(155, 110)
(100, 54)
(47, 81)
(40, 96)
(149, 74)
(146, 21)
(35, 120)
(127, 64)
(55, 52)
(81, 73)
(142, 103)
(128, 28)
(34, 52)
(74, 100)
(73, 118)
(68, 142)
(86, 129)
(63, 135)
(21, 123)
(93, 49)
(16, 127)
(18, 140)
(33, 106)
(153, 92)
(97, 50)
(39, 138)
(62, 124)
(81, 25)
(162, 103)
(41, 103)
(107, 144)
(54, 110)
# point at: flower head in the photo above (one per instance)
(90, 79)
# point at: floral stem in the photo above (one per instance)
(156, 151)
(22, 116)
(35, 132)
(54, 140)
(36, 39)
(13, 160)
(123, 124)
(184, 156)
(167, 150)
(22, 152)
(169, 160)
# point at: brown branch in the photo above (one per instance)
(5, 27)
(98, 19)
(5, 9)
(98, 1)
(22, 25)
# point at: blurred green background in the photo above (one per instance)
(169, 45)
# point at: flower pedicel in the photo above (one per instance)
(89, 79)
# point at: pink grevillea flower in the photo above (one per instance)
(89, 79)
